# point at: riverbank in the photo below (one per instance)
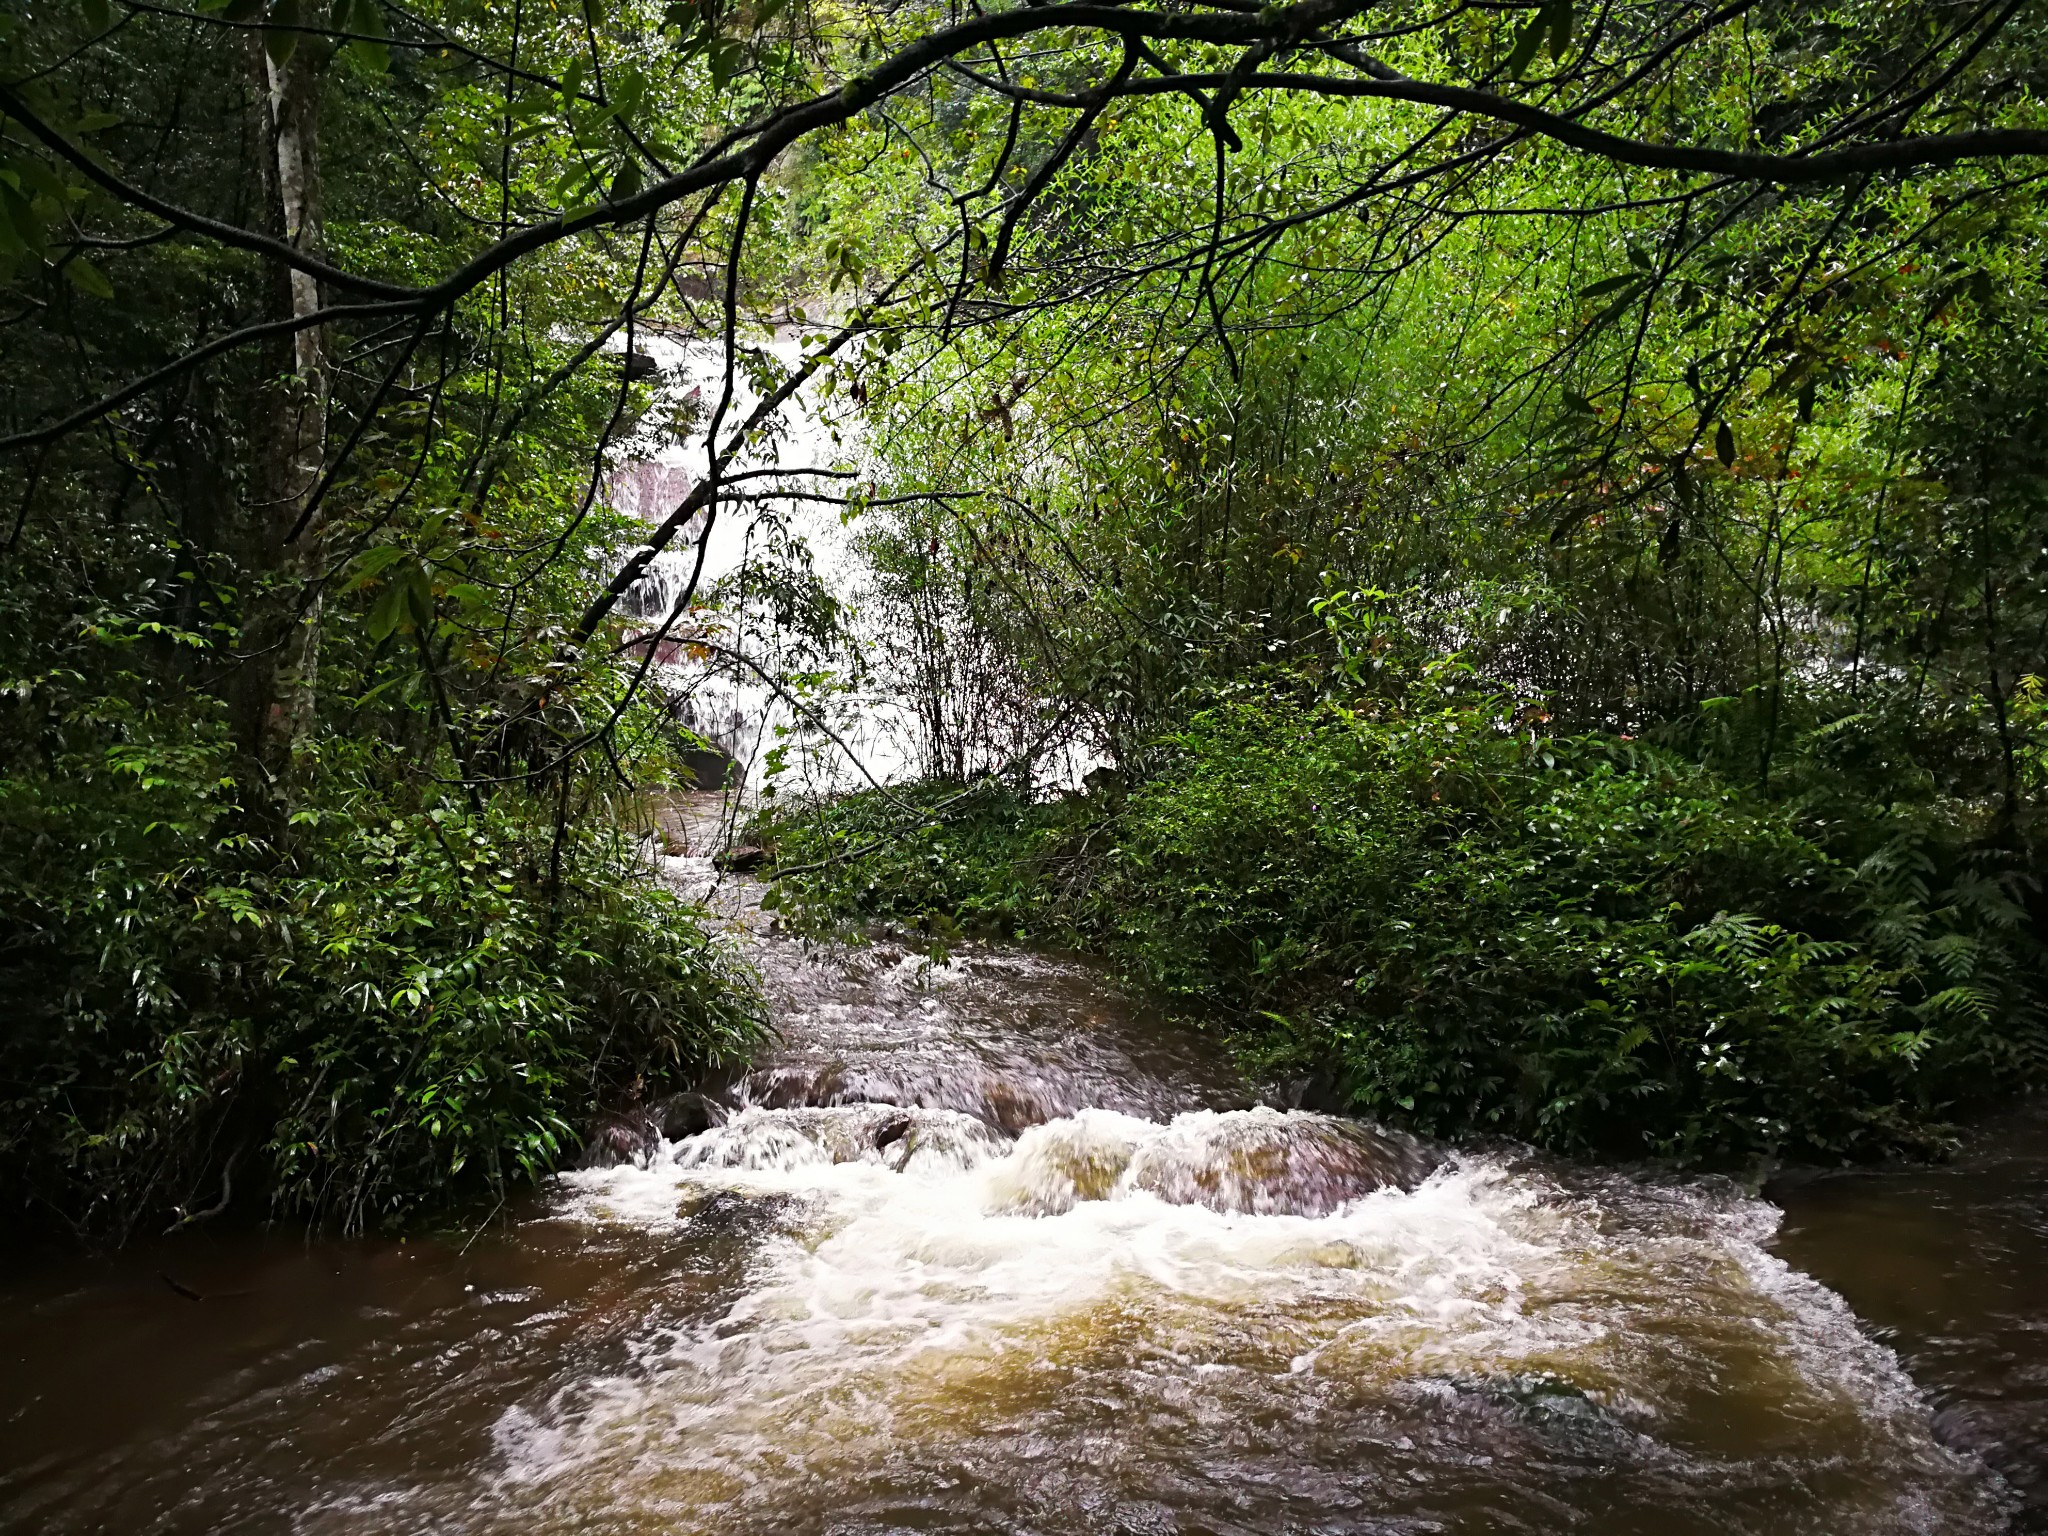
(797, 1321)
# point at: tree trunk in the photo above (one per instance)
(287, 547)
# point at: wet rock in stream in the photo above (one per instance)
(887, 1134)
(1013, 1040)
(1258, 1162)
(635, 1135)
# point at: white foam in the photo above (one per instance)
(900, 1304)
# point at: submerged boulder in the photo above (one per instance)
(635, 1133)
(1276, 1162)
(1260, 1162)
(624, 1136)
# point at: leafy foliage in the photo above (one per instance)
(404, 1000)
(1192, 342)
(1428, 911)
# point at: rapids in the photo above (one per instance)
(988, 1247)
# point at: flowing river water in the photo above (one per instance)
(987, 1247)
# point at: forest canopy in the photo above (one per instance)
(1533, 510)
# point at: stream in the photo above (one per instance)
(988, 1247)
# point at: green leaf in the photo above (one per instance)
(725, 56)
(387, 611)
(36, 179)
(1724, 446)
(419, 602)
(87, 278)
(628, 181)
(1806, 401)
(1526, 45)
(11, 243)
(1614, 311)
(365, 18)
(375, 561)
(1611, 285)
(407, 603)
(99, 15)
(1557, 19)
(627, 93)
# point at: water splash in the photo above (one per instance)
(1233, 1321)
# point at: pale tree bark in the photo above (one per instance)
(289, 432)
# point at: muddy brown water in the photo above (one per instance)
(988, 1248)
(1948, 1266)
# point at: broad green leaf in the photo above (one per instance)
(1557, 17)
(11, 243)
(1724, 445)
(87, 278)
(1611, 285)
(18, 214)
(1527, 43)
(369, 50)
(387, 611)
(376, 560)
(725, 55)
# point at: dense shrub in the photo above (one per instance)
(1440, 915)
(938, 857)
(405, 999)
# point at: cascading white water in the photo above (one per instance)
(941, 1329)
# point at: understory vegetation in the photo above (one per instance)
(397, 1007)
(352, 993)
(1650, 760)
(1427, 911)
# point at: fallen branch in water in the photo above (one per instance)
(227, 1190)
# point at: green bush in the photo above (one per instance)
(1592, 943)
(1451, 920)
(402, 1000)
(941, 858)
